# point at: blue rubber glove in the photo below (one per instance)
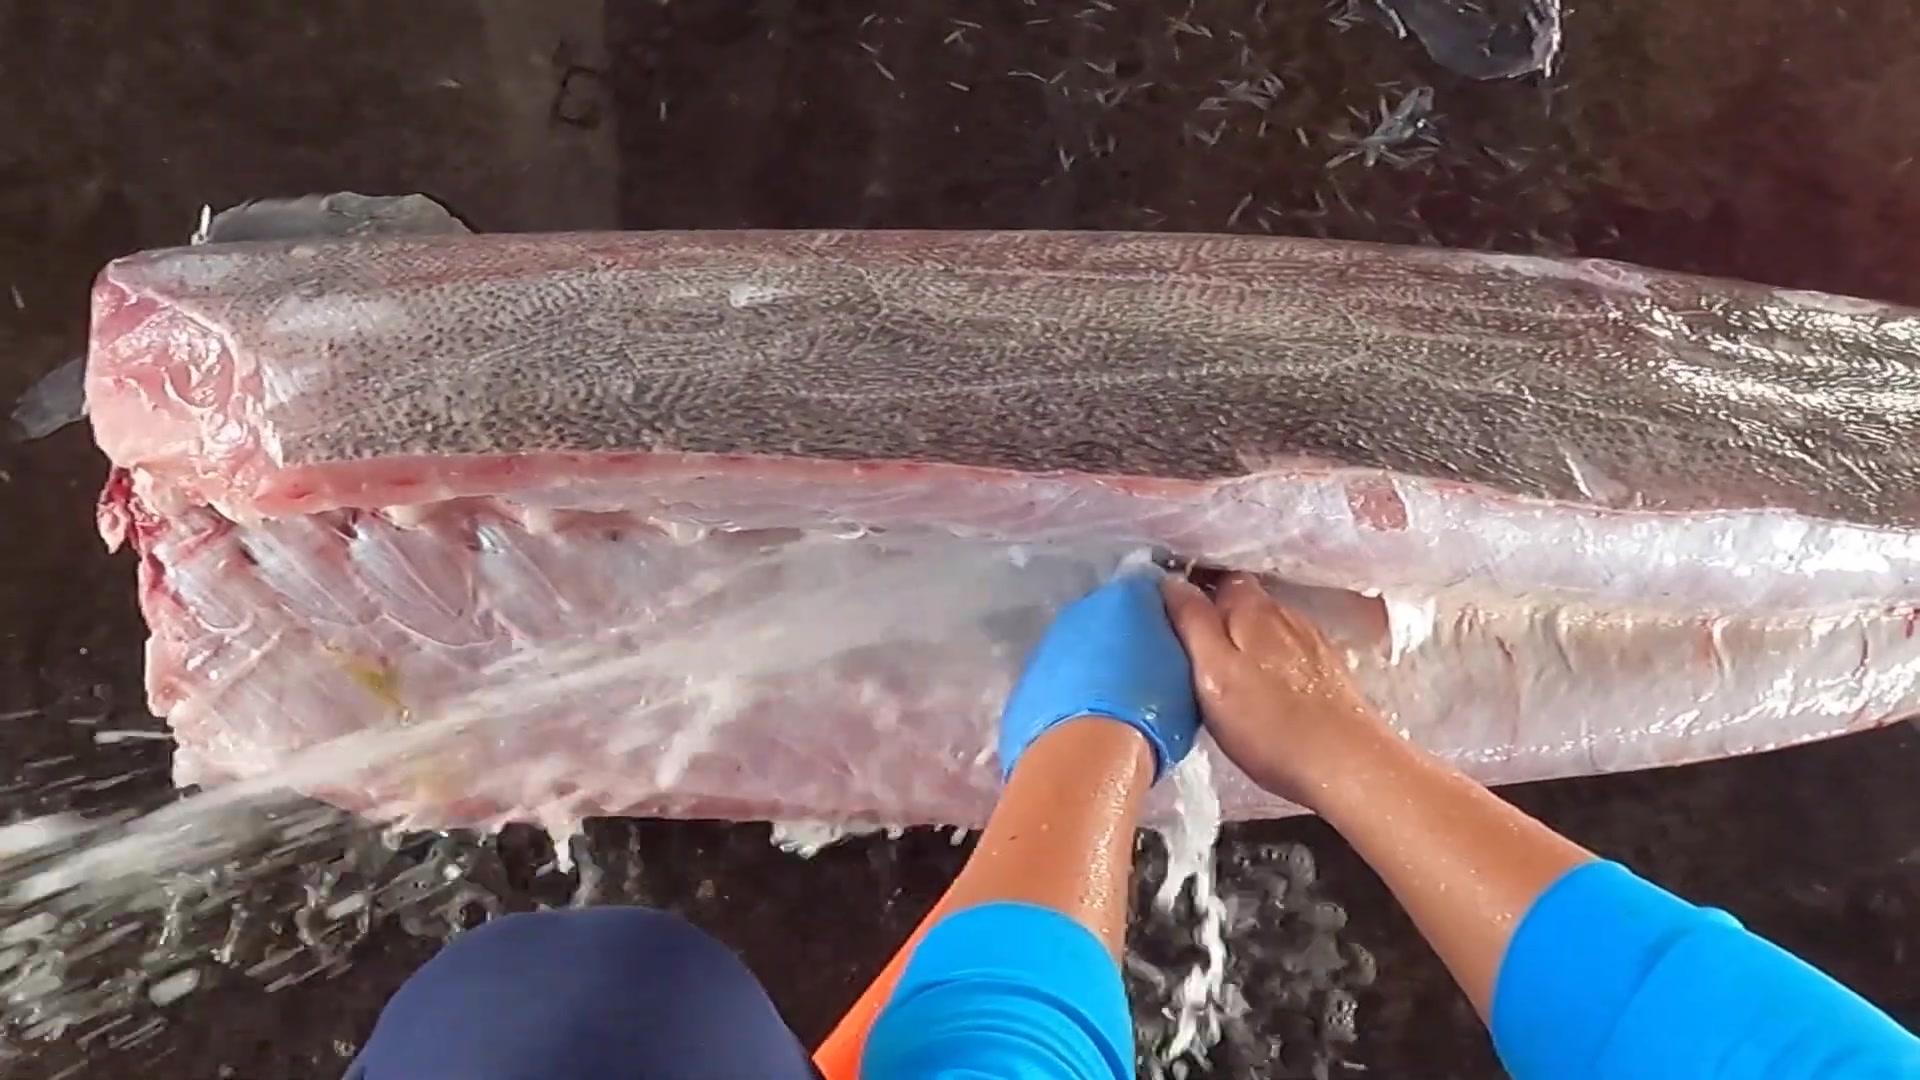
(1111, 653)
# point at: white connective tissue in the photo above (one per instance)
(1409, 623)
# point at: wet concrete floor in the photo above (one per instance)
(1767, 139)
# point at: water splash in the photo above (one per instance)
(807, 838)
(1197, 1000)
(1265, 986)
(106, 924)
(1240, 971)
(99, 919)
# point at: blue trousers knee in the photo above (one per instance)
(603, 993)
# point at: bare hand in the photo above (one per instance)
(1278, 700)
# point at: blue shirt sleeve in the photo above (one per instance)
(1004, 991)
(1609, 976)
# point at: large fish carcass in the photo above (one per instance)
(462, 529)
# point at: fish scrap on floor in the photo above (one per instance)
(458, 529)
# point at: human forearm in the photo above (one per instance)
(1010, 979)
(1280, 703)
(1465, 864)
(1061, 836)
(1003, 985)
(1579, 968)
(1016, 973)
(1610, 977)
(1059, 846)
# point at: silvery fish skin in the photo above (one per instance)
(1188, 357)
(1343, 415)
(1562, 516)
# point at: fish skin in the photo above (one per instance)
(1112, 354)
(1342, 415)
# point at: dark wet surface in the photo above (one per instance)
(1768, 139)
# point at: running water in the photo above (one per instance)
(106, 923)
(1237, 964)
(1191, 842)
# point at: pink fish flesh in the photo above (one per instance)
(758, 525)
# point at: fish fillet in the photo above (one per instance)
(758, 525)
